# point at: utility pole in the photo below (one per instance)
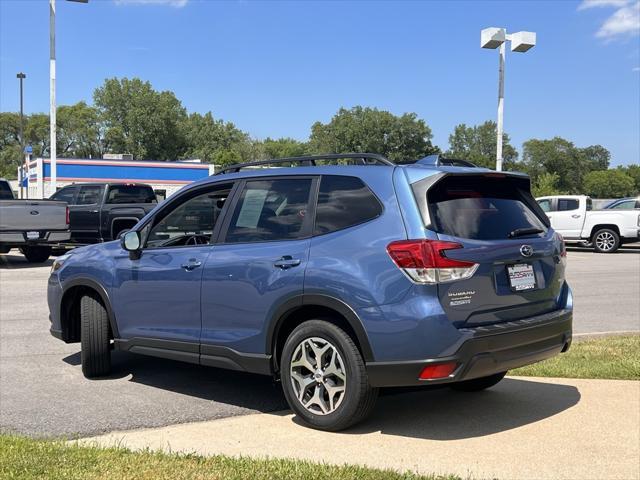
(21, 76)
(52, 96)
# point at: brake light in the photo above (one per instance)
(425, 261)
(441, 370)
(563, 246)
(67, 215)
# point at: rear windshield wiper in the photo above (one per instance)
(519, 232)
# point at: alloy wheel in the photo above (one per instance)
(318, 375)
(605, 241)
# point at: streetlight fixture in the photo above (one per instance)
(52, 90)
(21, 76)
(520, 42)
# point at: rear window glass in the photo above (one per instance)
(565, 204)
(344, 202)
(480, 209)
(5, 191)
(131, 194)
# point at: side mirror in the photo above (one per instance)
(130, 241)
(120, 235)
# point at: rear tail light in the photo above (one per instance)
(441, 370)
(67, 215)
(425, 261)
(563, 246)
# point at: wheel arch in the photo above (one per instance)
(296, 310)
(600, 226)
(70, 307)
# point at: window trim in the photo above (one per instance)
(315, 217)
(178, 199)
(307, 226)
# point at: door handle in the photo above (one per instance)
(286, 262)
(575, 216)
(191, 264)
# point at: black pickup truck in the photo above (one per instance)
(99, 212)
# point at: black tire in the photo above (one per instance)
(605, 240)
(478, 384)
(36, 254)
(359, 397)
(94, 337)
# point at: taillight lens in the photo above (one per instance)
(563, 246)
(425, 261)
(67, 215)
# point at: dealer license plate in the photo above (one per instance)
(521, 277)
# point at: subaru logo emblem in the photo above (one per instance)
(34, 212)
(526, 250)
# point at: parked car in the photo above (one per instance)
(33, 226)
(624, 204)
(335, 279)
(99, 212)
(572, 216)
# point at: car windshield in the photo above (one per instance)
(5, 191)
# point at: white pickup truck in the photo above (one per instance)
(572, 216)
(33, 226)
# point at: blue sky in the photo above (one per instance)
(274, 68)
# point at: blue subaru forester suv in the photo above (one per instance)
(337, 274)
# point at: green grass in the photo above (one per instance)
(615, 357)
(24, 458)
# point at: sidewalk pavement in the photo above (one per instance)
(524, 428)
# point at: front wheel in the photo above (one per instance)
(36, 254)
(324, 377)
(606, 240)
(478, 384)
(95, 346)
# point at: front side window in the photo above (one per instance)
(65, 195)
(566, 204)
(190, 222)
(545, 205)
(271, 210)
(5, 191)
(344, 202)
(89, 195)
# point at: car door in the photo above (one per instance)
(157, 296)
(568, 217)
(84, 215)
(257, 264)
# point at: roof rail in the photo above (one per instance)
(364, 159)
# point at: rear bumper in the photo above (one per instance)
(490, 349)
(20, 238)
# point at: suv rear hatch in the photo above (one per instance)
(492, 222)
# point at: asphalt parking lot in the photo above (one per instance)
(43, 392)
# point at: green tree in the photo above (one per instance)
(215, 141)
(141, 120)
(545, 184)
(477, 144)
(283, 147)
(608, 184)
(633, 170)
(562, 157)
(79, 132)
(364, 129)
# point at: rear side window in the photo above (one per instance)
(565, 204)
(270, 210)
(344, 202)
(480, 209)
(131, 194)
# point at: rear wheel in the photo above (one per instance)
(324, 377)
(94, 337)
(36, 254)
(606, 240)
(478, 384)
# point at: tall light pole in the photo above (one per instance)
(21, 76)
(52, 90)
(520, 42)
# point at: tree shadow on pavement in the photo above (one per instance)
(444, 414)
(245, 390)
(17, 262)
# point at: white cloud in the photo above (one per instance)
(624, 22)
(602, 3)
(635, 69)
(170, 3)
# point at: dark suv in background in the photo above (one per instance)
(335, 279)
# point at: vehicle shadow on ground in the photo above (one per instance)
(635, 249)
(17, 262)
(245, 390)
(444, 414)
